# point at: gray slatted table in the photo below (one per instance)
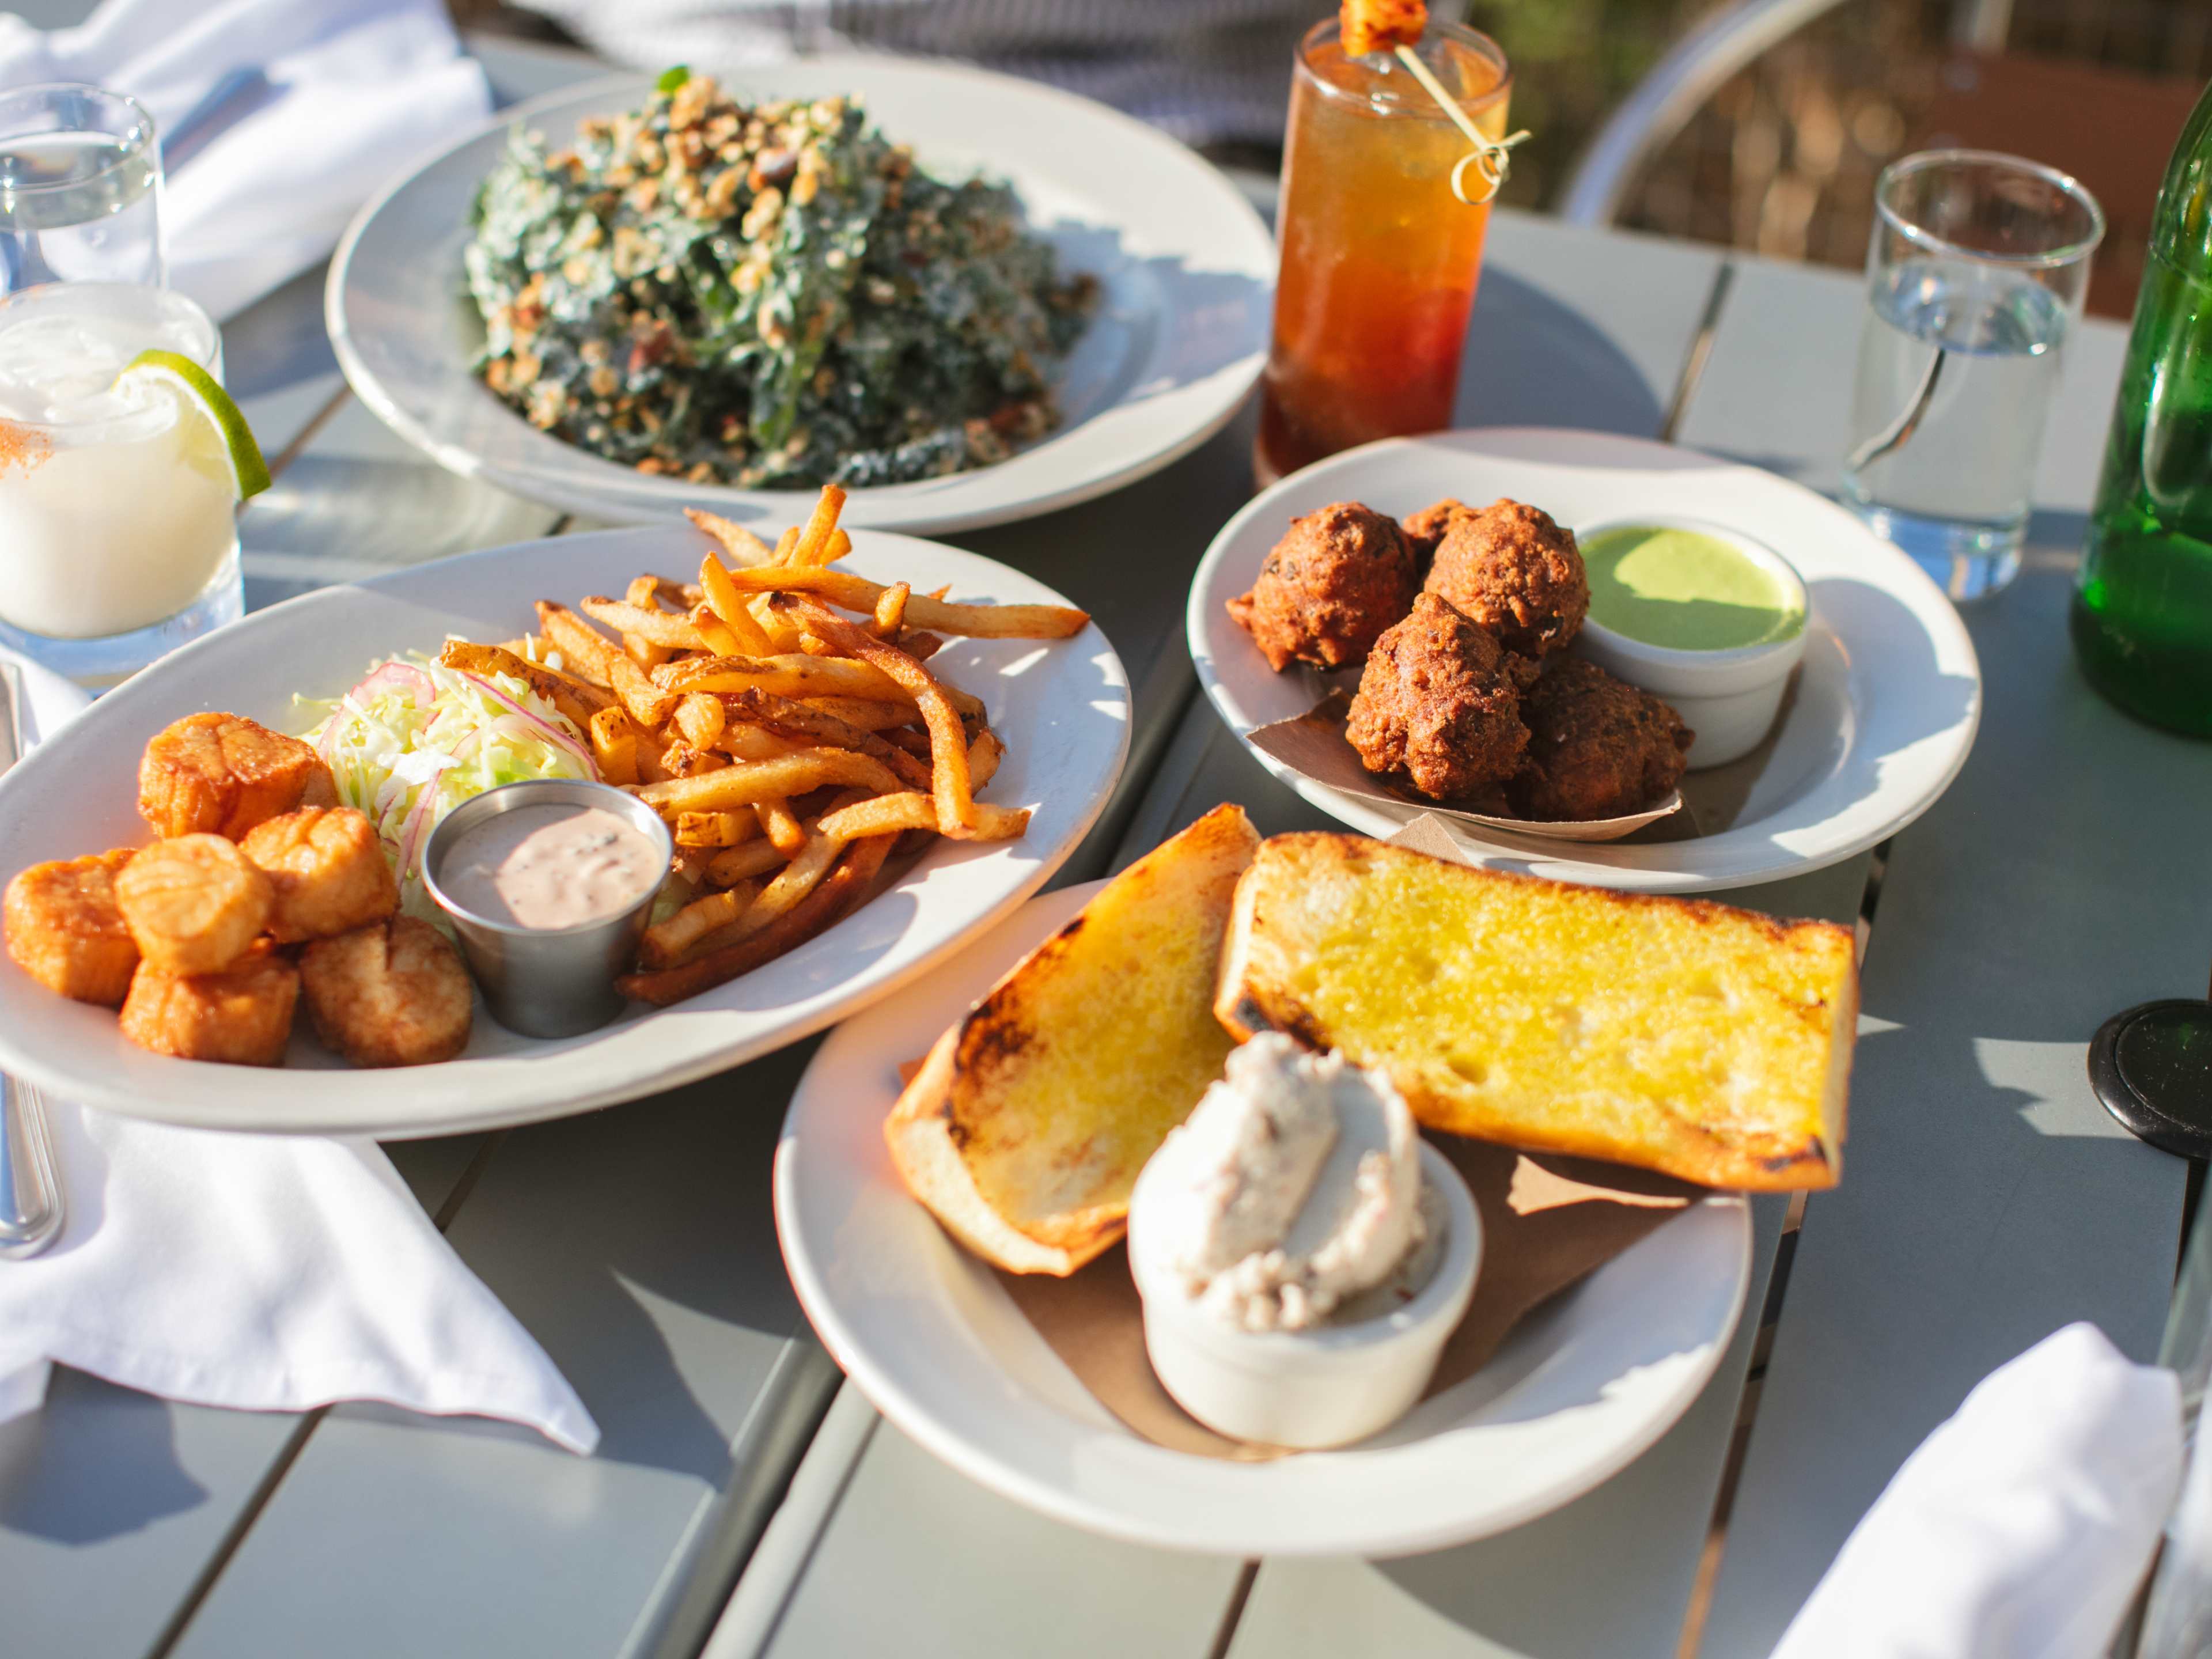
(1987, 1201)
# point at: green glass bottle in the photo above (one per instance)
(2142, 612)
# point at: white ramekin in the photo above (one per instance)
(1728, 697)
(1328, 1387)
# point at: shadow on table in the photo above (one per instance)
(1562, 369)
(96, 1462)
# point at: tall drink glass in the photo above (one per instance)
(1975, 279)
(80, 189)
(1379, 259)
(118, 534)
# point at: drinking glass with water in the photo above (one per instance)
(80, 189)
(1975, 276)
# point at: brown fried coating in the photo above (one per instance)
(1425, 530)
(328, 869)
(1439, 705)
(1511, 570)
(65, 931)
(393, 993)
(242, 1016)
(1598, 747)
(195, 904)
(1339, 577)
(223, 773)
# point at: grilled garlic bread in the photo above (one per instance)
(1024, 1129)
(1706, 1041)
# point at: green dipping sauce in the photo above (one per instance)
(1685, 590)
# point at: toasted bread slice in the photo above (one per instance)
(1024, 1129)
(1710, 1042)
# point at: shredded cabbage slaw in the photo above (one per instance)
(416, 738)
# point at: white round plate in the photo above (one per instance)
(1579, 1389)
(1887, 699)
(1185, 266)
(1062, 707)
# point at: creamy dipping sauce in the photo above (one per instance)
(551, 866)
(1686, 590)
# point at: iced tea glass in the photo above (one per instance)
(1379, 258)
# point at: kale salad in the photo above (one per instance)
(765, 296)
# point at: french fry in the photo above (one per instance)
(750, 782)
(981, 622)
(714, 829)
(785, 544)
(717, 634)
(797, 675)
(690, 866)
(666, 943)
(891, 609)
(736, 864)
(840, 545)
(588, 654)
(863, 714)
(740, 543)
(782, 828)
(813, 546)
(983, 757)
(845, 887)
(701, 718)
(886, 815)
(743, 741)
(643, 591)
(921, 646)
(680, 760)
(576, 700)
(614, 746)
(727, 601)
(654, 626)
(648, 704)
(948, 740)
(788, 718)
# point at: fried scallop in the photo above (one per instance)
(328, 869)
(1439, 705)
(1328, 590)
(195, 904)
(1598, 747)
(65, 931)
(1513, 570)
(223, 773)
(393, 993)
(242, 1017)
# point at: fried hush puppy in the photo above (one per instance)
(1328, 589)
(223, 773)
(195, 904)
(1598, 748)
(1425, 530)
(1511, 570)
(242, 1016)
(1439, 705)
(394, 993)
(327, 870)
(65, 931)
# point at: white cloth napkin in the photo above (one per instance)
(357, 90)
(268, 1272)
(2021, 1528)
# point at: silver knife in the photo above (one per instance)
(31, 1210)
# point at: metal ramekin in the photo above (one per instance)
(546, 982)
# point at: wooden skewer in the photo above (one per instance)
(1491, 157)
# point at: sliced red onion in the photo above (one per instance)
(540, 727)
(395, 676)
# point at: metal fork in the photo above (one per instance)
(31, 1209)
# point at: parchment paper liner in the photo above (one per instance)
(1313, 744)
(1547, 1223)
